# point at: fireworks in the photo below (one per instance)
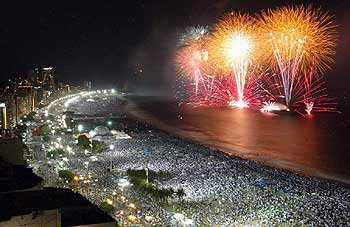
(270, 106)
(192, 34)
(308, 107)
(233, 49)
(190, 60)
(273, 62)
(298, 38)
(192, 57)
(309, 93)
(223, 92)
(312, 94)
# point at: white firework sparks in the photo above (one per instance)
(192, 34)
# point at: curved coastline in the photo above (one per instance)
(221, 146)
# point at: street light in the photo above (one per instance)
(72, 125)
(109, 123)
(109, 201)
(80, 128)
(87, 165)
(76, 178)
(111, 147)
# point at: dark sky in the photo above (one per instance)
(105, 41)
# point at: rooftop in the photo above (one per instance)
(75, 209)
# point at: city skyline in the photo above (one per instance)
(175, 113)
(85, 41)
(26, 93)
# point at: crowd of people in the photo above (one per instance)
(219, 189)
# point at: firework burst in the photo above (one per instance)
(223, 92)
(273, 62)
(191, 59)
(297, 38)
(192, 34)
(312, 96)
(233, 49)
(309, 94)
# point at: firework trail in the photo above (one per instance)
(223, 92)
(309, 94)
(297, 37)
(312, 94)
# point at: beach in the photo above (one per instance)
(220, 189)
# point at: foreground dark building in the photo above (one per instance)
(24, 202)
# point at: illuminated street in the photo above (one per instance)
(219, 189)
(187, 113)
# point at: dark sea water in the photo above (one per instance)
(318, 145)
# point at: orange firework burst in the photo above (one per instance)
(296, 38)
(234, 39)
(300, 37)
(234, 48)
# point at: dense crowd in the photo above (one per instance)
(220, 189)
(226, 190)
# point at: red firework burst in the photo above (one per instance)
(309, 93)
(223, 92)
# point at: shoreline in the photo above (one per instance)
(235, 151)
(254, 193)
(220, 189)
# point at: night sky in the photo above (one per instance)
(107, 41)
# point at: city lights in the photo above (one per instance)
(80, 128)
(109, 123)
(153, 120)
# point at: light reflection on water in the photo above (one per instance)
(316, 145)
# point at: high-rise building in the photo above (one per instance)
(8, 110)
(87, 85)
(34, 77)
(67, 88)
(22, 94)
(8, 107)
(3, 116)
(16, 102)
(24, 100)
(48, 78)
